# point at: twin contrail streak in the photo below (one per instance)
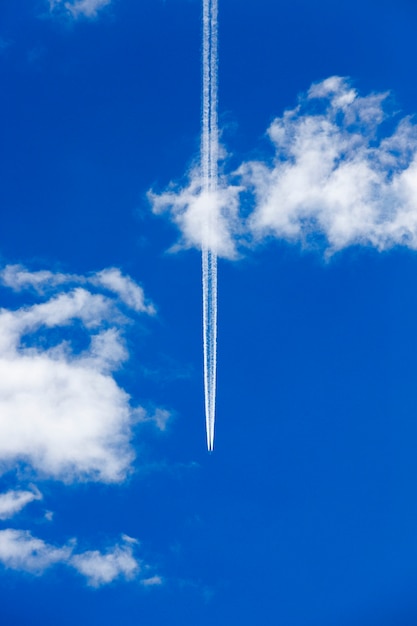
(209, 177)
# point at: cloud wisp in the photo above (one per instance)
(13, 501)
(343, 171)
(21, 551)
(79, 8)
(63, 413)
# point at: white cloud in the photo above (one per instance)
(63, 413)
(18, 278)
(21, 551)
(77, 8)
(191, 209)
(130, 293)
(153, 581)
(102, 568)
(332, 174)
(11, 502)
(159, 418)
(338, 171)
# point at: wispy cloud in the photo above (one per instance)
(111, 279)
(153, 581)
(21, 551)
(11, 502)
(78, 8)
(102, 568)
(63, 413)
(343, 169)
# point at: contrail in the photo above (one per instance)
(209, 176)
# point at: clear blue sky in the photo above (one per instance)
(306, 513)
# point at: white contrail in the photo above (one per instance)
(209, 176)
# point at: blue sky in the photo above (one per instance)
(111, 510)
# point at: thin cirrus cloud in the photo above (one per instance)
(343, 170)
(21, 551)
(78, 8)
(63, 413)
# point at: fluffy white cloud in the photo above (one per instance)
(76, 8)
(212, 217)
(338, 172)
(333, 174)
(11, 502)
(62, 411)
(100, 569)
(21, 551)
